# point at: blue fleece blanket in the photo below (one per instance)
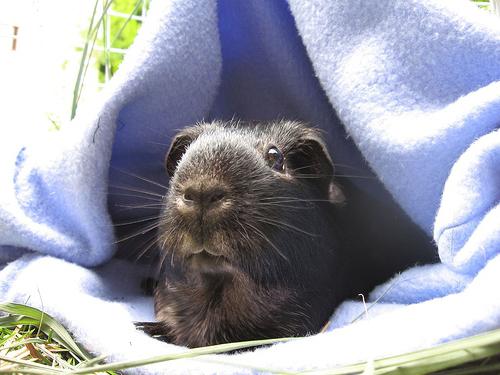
(410, 87)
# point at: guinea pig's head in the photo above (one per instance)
(247, 198)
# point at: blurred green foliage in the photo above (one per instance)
(122, 33)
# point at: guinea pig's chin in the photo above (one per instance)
(208, 264)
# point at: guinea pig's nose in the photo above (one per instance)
(203, 196)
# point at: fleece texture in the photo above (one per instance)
(406, 92)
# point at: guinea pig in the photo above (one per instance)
(258, 239)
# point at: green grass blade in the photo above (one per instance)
(92, 361)
(14, 320)
(47, 323)
(119, 33)
(27, 371)
(54, 123)
(105, 9)
(429, 360)
(190, 353)
(78, 82)
(476, 370)
(436, 362)
(23, 342)
(79, 94)
(28, 365)
(86, 54)
(446, 355)
(419, 362)
(105, 44)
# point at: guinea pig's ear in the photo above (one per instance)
(178, 147)
(312, 158)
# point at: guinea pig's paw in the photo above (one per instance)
(156, 330)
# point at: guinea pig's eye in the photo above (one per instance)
(275, 159)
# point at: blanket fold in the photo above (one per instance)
(407, 94)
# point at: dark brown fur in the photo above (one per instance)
(266, 253)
